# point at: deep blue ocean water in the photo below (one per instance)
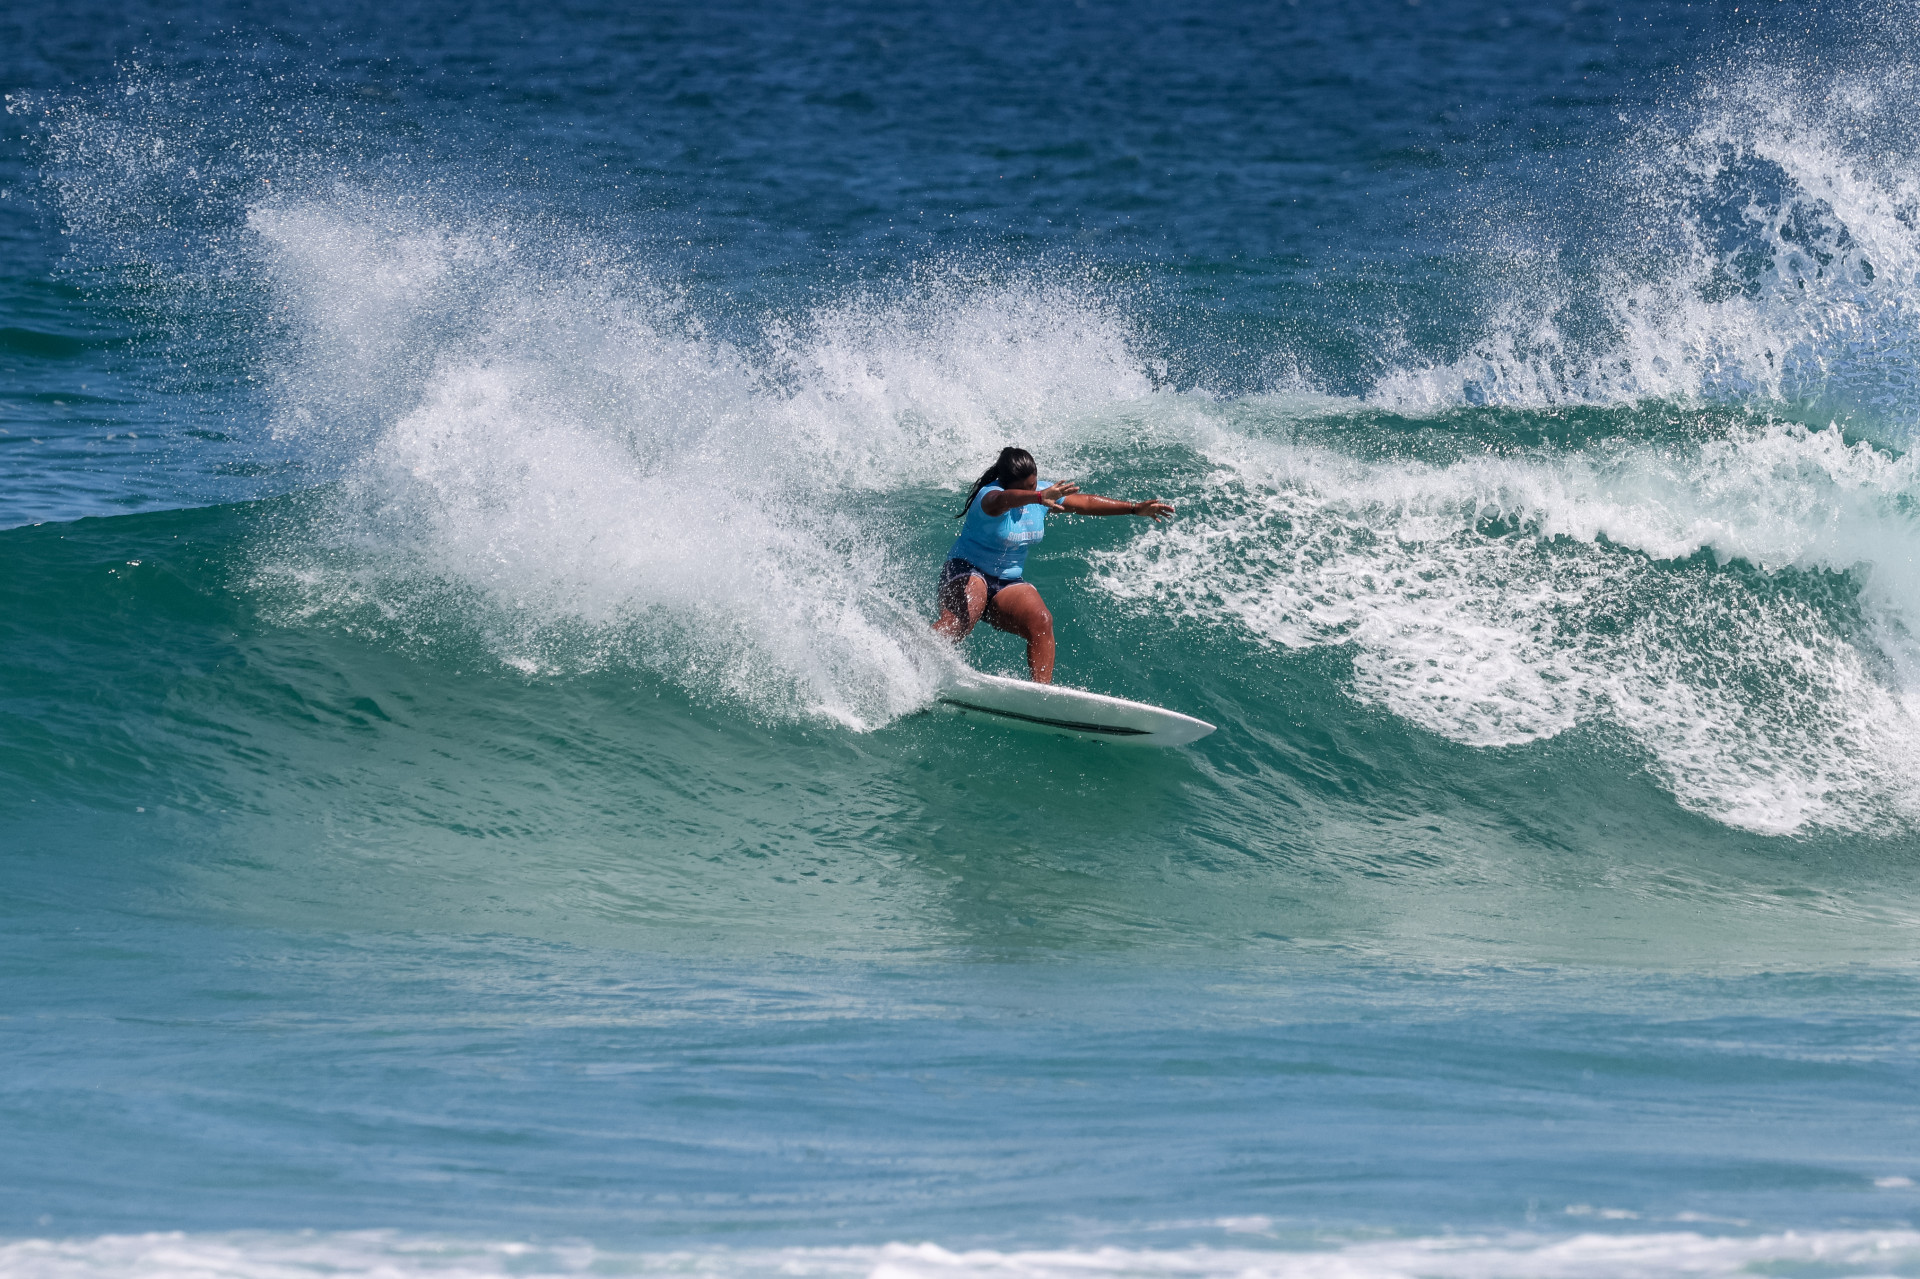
(471, 794)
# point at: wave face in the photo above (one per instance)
(471, 774)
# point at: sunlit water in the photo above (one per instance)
(474, 798)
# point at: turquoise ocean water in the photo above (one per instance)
(471, 487)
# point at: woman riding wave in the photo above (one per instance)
(1005, 515)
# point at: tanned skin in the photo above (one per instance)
(1018, 609)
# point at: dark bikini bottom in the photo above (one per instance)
(953, 585)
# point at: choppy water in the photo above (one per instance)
(472, 486)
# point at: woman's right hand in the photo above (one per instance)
(1050, 496)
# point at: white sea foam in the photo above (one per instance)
(1505, 598)
(1675, 1254)
(564, 445)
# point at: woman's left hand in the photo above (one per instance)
(1153, 508)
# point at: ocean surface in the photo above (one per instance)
(472, 801)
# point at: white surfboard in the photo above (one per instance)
(1049, 708)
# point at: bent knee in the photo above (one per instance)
(1036, 624)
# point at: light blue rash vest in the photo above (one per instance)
(997, 544)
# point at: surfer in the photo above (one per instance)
(1005, 515)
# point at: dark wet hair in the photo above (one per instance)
(1012, 464)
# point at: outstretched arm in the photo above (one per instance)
(1087, 504)
(1000, 501)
